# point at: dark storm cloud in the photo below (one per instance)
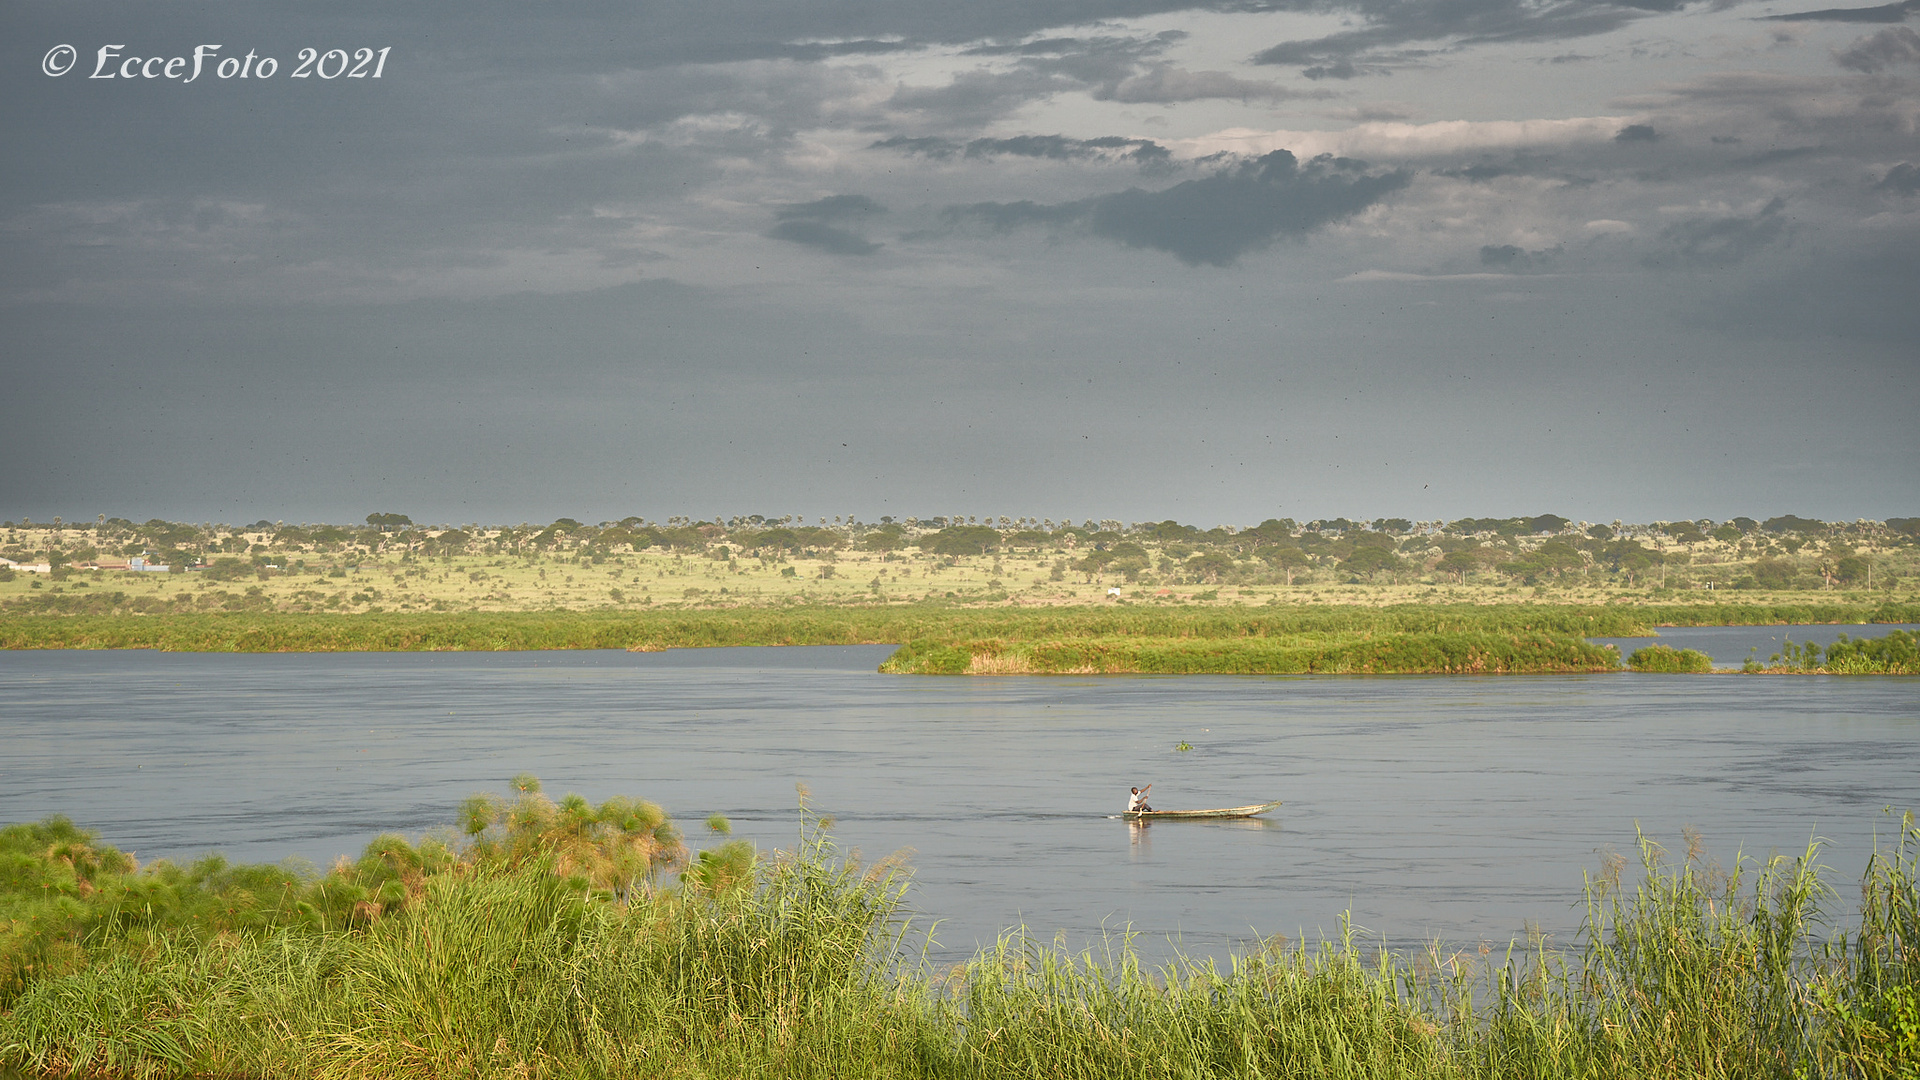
(1216, 219)
(1885, 13)
(1890, 47)
(807, 224)
(1720, 241)
(1634, 133)
(1391, 25)
(1903, 179)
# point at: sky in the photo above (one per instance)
(1130, 259)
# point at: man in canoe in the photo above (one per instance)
(1138, 803)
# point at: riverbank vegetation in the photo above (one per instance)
(556, 943)
(1896, 653)
(1270, 639)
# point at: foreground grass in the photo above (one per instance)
(510, 961)
(945, 639)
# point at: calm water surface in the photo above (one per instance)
(1458, 808)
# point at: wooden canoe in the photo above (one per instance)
(1197, 815)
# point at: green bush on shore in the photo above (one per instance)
(1898, 653)
(1664, 658)
(501, 963)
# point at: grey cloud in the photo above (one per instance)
(832, 208)
(1903, 178)
(1164, 83)
(1885, 49)
(975, 98)
(821, 50)
(1342, 68)
(825, 237)
(1110, 68)
(1480, 173)
(1885, 13)
(1394, 24)
(1057, 147)
(1216, 219)
(1374, 111)
(1720, 241)
(806, 224)
(1633, 133)
(1006, 217)
(1514, 258)
(1785, 153)
(1518, 164)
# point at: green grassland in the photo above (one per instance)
(569, 940)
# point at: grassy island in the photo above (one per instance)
(569, 940)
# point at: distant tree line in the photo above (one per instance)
(1778, 552)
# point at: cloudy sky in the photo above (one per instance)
(1088, 258)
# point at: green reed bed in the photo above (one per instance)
(876, 624)
(1328, 653)
(557, 940)
(1895, 653)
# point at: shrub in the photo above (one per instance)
(1898, 653)
(1663, 658)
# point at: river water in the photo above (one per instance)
(1458, 808)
